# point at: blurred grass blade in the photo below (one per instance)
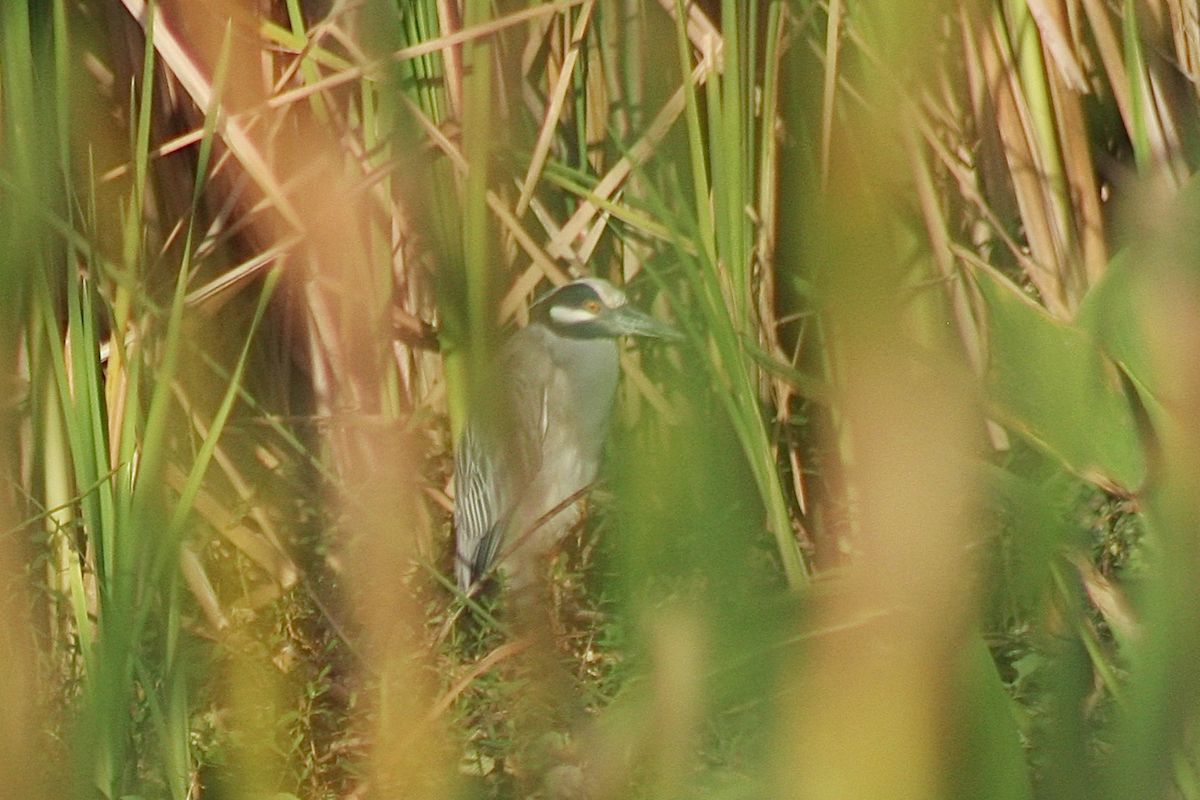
(1042, 372)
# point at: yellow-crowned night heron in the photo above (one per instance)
(537, 440)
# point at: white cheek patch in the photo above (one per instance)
(570, 316)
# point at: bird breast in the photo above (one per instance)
(572, 383)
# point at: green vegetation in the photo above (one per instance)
(912, 512)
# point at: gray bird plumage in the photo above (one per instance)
(538, 439)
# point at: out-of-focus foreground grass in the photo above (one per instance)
(912, 511)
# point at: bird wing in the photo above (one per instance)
(474, 508)
(526, 367)
(499, 452)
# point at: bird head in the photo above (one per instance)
(592, 308)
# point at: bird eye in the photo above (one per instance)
(592, 306)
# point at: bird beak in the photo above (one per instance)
(628, 320)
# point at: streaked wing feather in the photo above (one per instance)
(474, 508)
(499, 452)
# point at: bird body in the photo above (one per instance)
(537, 440)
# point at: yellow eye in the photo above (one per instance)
(592, 306)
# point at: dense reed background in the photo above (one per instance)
(912, 512)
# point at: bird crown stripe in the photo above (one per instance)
(610, 295)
